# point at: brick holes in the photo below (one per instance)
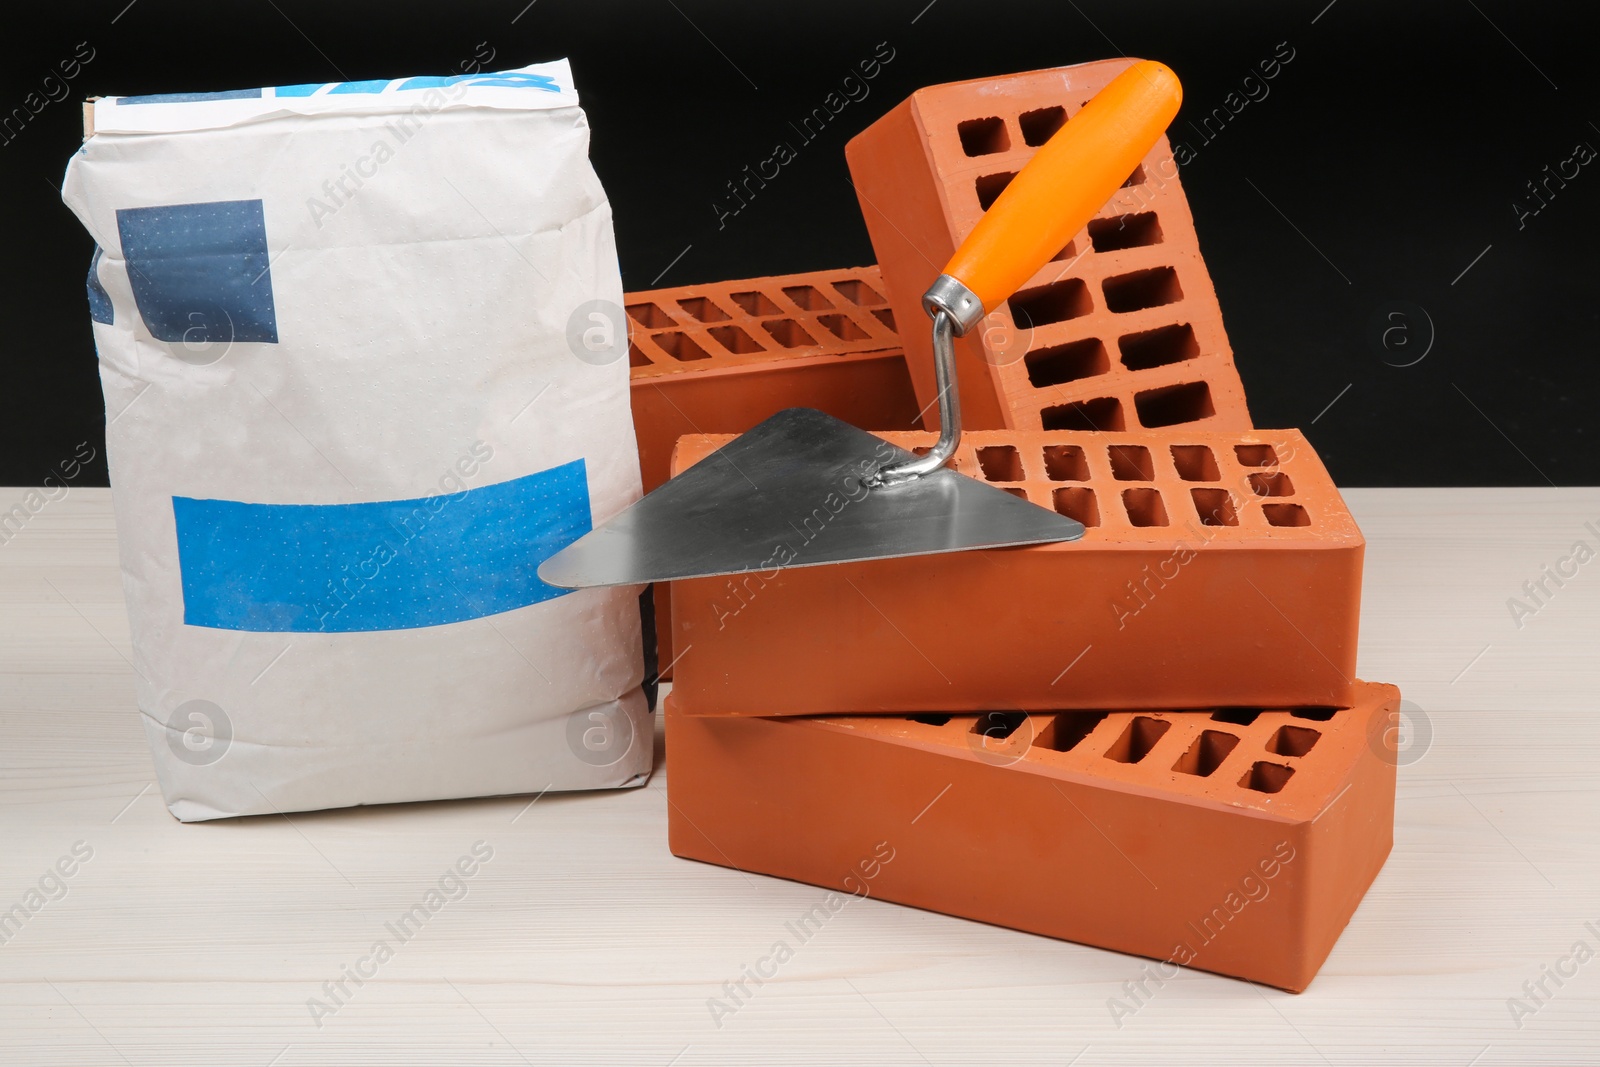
(990, 186)
(1000, 463)
(1125, 231)
(1144, 507)
(1138, 739)
(1065, 463)
(983, 137)
(636, 356)
(1271, 483)
(843, 327)
(1292, 741)
(1203, 757)
(757, 303)
(1195, 463)
(1068, 362)
(1215, 507)
(808, 297)
(1016, 491)
(1285, 515)
(787, 333)
(703, 309)
(885, 316)
(998, 725)
(1256, 455)
(1056, 302)
(1063, 732)
(858, 292)
(1038, 126)
(1266, 777)
(648, 315)
(1142, 289)
(1101, 413)
(1173, 405)
(734, 339)
(680, 346)
(1077, 502)
(1136, 178)
(1314, 714)
(1131, 463)
(1158, 347)
(1207, 753)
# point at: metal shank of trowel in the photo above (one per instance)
(1068, 179)
(955, 310)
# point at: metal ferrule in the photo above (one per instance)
(950, 296)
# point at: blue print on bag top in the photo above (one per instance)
(199, 272)
(382, 565)
(100, 309)
(510, 79)
(189, 98)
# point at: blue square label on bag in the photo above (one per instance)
(199, 272)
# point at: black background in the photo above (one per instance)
(1389, 154)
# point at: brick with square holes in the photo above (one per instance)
(1218, 568)
(721, 357)
(1121, 331)
(1238, 842)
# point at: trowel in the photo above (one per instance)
(804, 489)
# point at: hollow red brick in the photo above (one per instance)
(1218, 568)
(1238, 842)
(721, 357)
(1121, 331)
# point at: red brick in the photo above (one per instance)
(1238, 843)
(721, 357)
(1134, 337)
(1154, 608)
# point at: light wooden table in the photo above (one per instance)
(585, 941)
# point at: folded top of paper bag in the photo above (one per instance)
(538, 86)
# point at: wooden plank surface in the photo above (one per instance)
(582, 940)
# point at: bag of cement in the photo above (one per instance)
(360, 350)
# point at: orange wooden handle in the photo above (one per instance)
(1069, 179)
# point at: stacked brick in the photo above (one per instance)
(1238, 841)
(1217, 568)
(1151, 739)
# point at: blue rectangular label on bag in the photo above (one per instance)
(382, 565)
(201, 273)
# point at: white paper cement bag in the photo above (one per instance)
(359, 344)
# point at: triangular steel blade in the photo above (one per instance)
(789, 494)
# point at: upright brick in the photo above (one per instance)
(1238, 842)
(1121, 331)
(1217, 568)
(721, 357)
